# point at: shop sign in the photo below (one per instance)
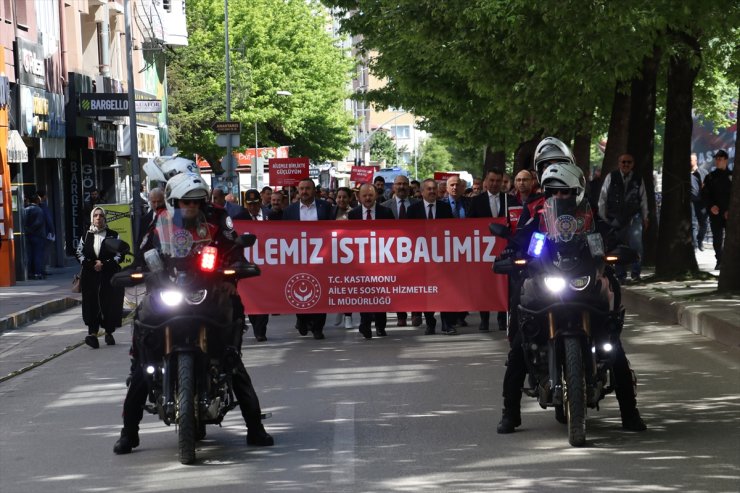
(42, 113)
(104, 104)
(31, 69)
(105, 136)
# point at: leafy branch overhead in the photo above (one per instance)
(275, 45)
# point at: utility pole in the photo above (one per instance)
(133, 144)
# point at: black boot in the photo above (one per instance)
(631, 421)
(109, 340)
(129, 440)
(92, 341)
(258, 437)
(510, 419)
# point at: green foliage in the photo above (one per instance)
(383, 149)
(433, 156)
(274, 45)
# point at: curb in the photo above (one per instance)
(704, 320)
(36, 312)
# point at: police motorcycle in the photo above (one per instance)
(185, 324)
(569, 317)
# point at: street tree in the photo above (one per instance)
(433, 156)
(275, 45)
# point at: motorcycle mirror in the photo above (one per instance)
(500, 230)
(115, 245)
(246, 240)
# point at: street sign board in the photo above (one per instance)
(227, 127)
(225, 140)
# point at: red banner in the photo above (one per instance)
(288, 172)
(363, 174)
(385, 265)
(443, 175)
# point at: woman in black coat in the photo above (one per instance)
(102, 304)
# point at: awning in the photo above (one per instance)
(17, 150)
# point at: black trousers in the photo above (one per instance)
(312, 322)
(718, 223)
(259, 324)
(516, 372)
(138, 390)
(367, 318)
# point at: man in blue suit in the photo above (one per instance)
(309, 208)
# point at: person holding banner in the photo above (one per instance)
(493, 202)
(399, 205)
(309, 208)
(460, 206)
(429, 208)
(370, 210)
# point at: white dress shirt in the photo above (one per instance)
(493, 200)
(309, 212)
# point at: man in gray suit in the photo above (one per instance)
(399, 204)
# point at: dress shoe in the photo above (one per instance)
(262, 439)
(509, 421)
(366, 332)
(451, 331)
(416, 320)
(633, 422)
(402, 322)
(700, 247)
(483, 327)
(429, 332)
(381, 332)
(302, 330)
(109, 340)
(261, 338)
(318, 334)
(92, 341)
(127, 442)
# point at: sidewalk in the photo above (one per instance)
(694, 305)
(32, 300)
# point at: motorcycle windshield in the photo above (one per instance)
(563, 219)
(176, 235)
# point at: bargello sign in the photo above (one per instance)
(102, 104)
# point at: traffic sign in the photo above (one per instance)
(227, 127)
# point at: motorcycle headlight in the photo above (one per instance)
(196, 297)
(171, 297)
(555, 284)
(580, 283)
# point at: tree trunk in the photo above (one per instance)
(494, 159)
(616, 142)
(677, 257)
(641, 143)
(524, 155)
(729, 274)
(582, 153)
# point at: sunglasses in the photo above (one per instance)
(626, 162)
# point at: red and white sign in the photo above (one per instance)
(384, 265)
(363, 174)
(288, 172)
(443, 175)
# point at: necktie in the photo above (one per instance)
(453, 204)
(402, 210)
(369, 214)
(431, 214)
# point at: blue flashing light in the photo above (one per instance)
(536, 244)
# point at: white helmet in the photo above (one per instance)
(551, 149)
(561, 176)
(185, 186)
(163, 168)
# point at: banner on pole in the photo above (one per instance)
(362, 174)
(288, 172)
(384, 266)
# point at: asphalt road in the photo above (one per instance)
(405, 413)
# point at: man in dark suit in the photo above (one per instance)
(255, 212)
(493, 202)
(460, 205)
(399, 206)
(370, 210)
(429, 208)
(309, 208)
(156, 204)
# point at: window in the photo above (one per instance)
(401, 131)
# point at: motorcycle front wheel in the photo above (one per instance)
(186, 407)
(575, 392)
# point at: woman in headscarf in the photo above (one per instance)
(102, 304)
